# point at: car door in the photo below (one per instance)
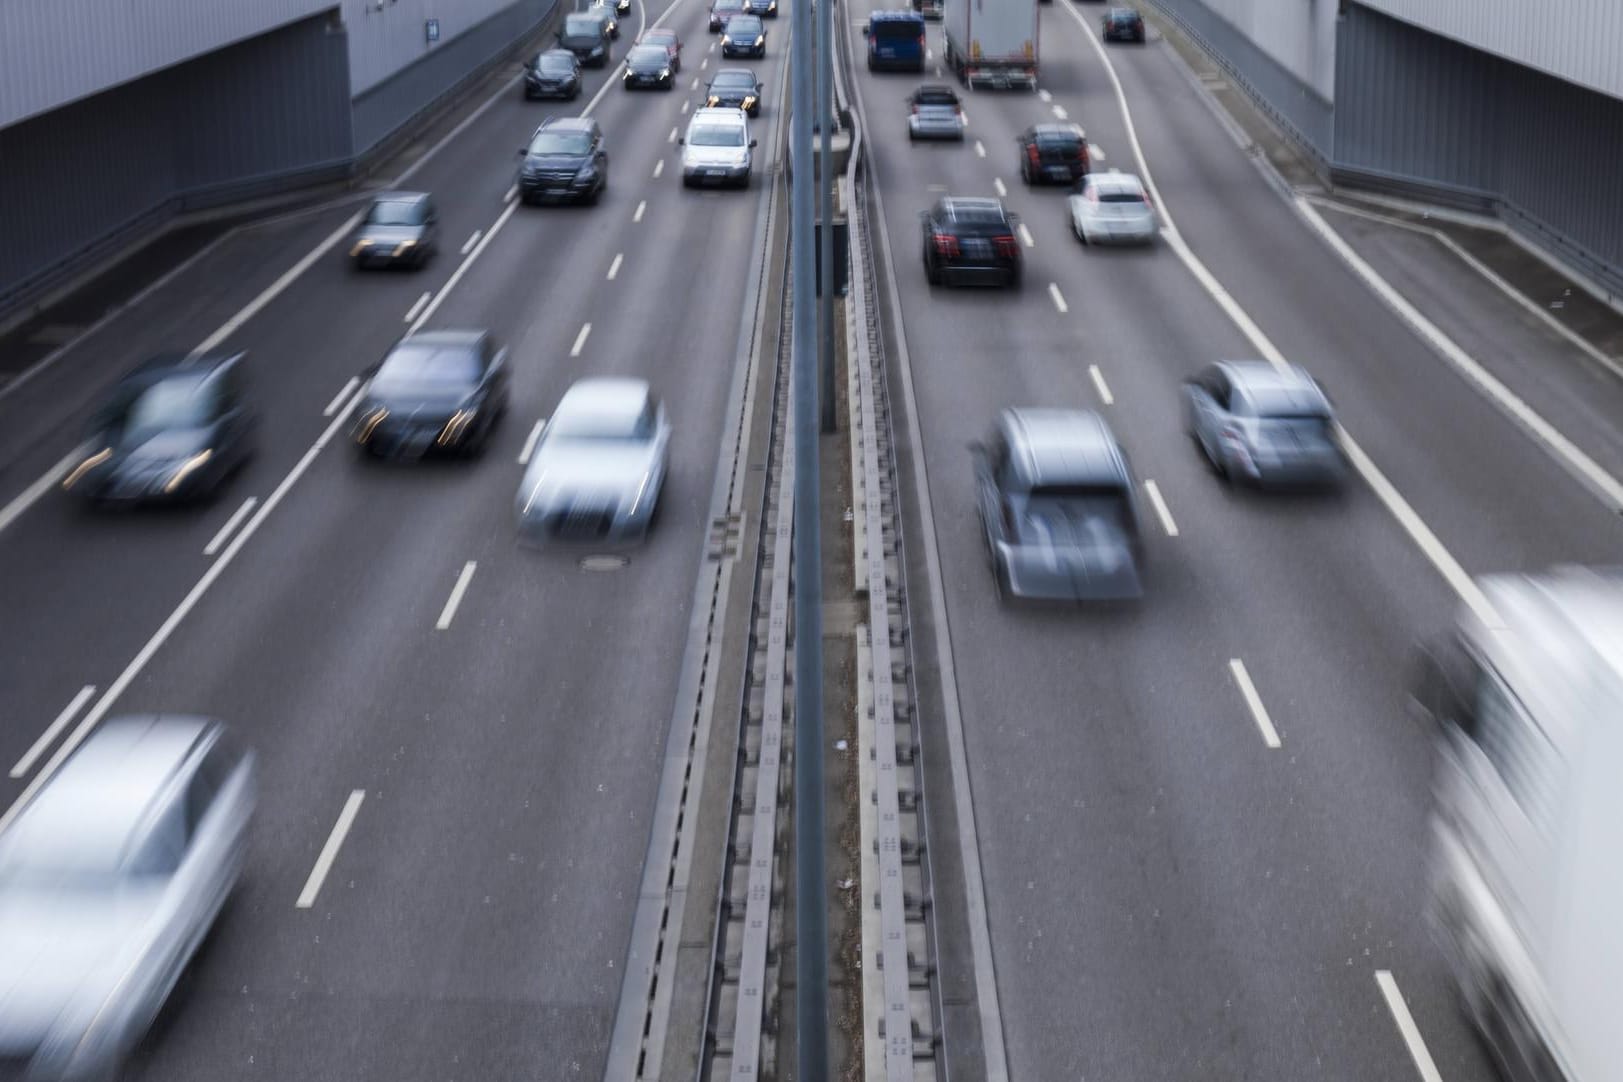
(600, 154)
(431, 225)
(1208, 401)
(991, 463)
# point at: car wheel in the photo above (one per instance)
(932, 273)
(1001, 583)
(1013, 279)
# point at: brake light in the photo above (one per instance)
(915, 108)
(1031, 152)
(921, 40)
(946, 245)
(1006, 246)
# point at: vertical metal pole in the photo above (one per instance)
(811, 919)
(825, 205)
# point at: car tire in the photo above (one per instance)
(1014, 279)
(1001, 583)
(932, 273)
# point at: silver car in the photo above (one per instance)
(1112, 207)
(598, 469)
(934, 112)
(1058, 509)
(716, 148)
(1262, 424)
(110, 877)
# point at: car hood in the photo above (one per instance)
(60, 953)
(649, 69)
(389, 234)
(556, 162)
(716, 155)
(169, 445)
(541, 76)
(743, 37)
(562, 476)
(731, 93)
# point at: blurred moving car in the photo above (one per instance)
(929, 9)
(934, 112)
(1122, 24)
(717, 148)
(722, 12)
(553, 74)
(767, 9)
(1258, 423)
(895, 41)
(606, 15)
(734, 88)
(599, 468)
(436, 392)
(744, 35)
(970, 239)
(111, 876)
(1524, 697)
(1053, 154)
(1112, 207)
(585, 35)
(664, 35)
(621, 7)
(564, 160)
(174, 429)
(649, 66)
(1058, 510)
(399, 228)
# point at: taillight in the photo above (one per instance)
(1031, 152)
(915, 109)
(946, 245)
(921, 42)
(1006, 246)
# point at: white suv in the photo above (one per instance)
(717, 148)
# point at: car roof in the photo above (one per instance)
(648, 49)
(1071, 130)
(401, 197)
(567, 123)
(1261, 379)
(1116, 182)
(163, 365)
(1062, 445)
(729, 113)
(942, 89)
(605, 394)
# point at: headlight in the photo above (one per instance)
(664, 73)
(400, 248)
(725, 40)
(86, 466)
(712, 101)
(455, 427)
(360, 246)
(369, 422)
(749, 101)
(186, 468)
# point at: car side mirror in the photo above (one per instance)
(682, 141)
(752, 142)
(523, 151)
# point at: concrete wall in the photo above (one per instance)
(387, 38)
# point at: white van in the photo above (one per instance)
(717, 148)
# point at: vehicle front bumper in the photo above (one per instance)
(551, 89)
(715, 174)
(649, 82)
(731, 50)
(555, 189)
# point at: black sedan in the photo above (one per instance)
(744, 35)
(553, 74)
(437, 392)
(970, 239)
(1123, 24)
(649, 66)
(734, 88)
(565, 160)
(585, 35)
(172, 430)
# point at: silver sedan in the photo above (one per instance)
(934, 112)
(597, 471)
(1108, 207)
(1265, 425)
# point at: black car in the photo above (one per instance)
(553, 74)
(585, 35)
(621, 7)
(436, 392)
(1053, 154)
(722, 11)
(649, 65)
(767, 9)
(605, 14)
(400, 228)
(670, 39)
(734, 88)
(970, 239)
(744, 35)
(172, 430)
(565, 160)
(1123, 24)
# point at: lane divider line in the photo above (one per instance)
(219, 539)
(684, 108)
(462, 268)
(1410, 1032)
(530, 441)
(980, 149)
(342, 396)
(512, 193)
(52, 731)
(1025, 236)
(411, 313)
(997, 183)
(471, 241)
(695, 85)
(1096, 152)
(1099, 384)
(329, 851)
(671, 138)
(448, 613)
(1161, 510)
(614, 267)
(580, 340)
(1059, 112)
(1045, 96)
(636, 215)
(1059, 298)
(1253, 702)
(659, 167)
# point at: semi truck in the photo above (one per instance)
(992, 43)
(1525, 697)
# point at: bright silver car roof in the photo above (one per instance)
(1261, 379)
(1060, 445)
(605, 396)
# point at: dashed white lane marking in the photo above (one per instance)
(218, 541)
(471, 241)
(342, 396)
(1099, 384)
(411, 313)
(997, 182)
(530, 441)
(659, 167)
(1253, 702)
(512, 193)
(52, 731)
(671, 138)
(705, 63)
(980, 149)
(684, 107)
(1096, 152)
(695, 85)
(1161, 510)
(642, 206)
(448, 613)
(1058, 297)
(1025, 235)
(329, 852)
(1045, 96)
(712, 48)
(614, 267)
(580, 340)
(1410, 1032)
(1060, 113)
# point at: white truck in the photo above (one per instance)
(992, 42)
(1527, 868)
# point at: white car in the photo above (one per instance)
(717, 148)
(1112, 207)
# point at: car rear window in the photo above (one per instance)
(935, 95)
(1058, 139)
(977, 221)
(897, 28)
(1281, 405)
(1120, 197)
(582, 24)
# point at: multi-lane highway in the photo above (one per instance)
(1201, 818)
(459, 738)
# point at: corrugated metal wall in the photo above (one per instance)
(382, 43)
(1577, 40)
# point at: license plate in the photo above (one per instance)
(977, 249)
(715, 172)
(1062, 171)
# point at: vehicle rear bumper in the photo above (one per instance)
(1041, 574)
(937, 129)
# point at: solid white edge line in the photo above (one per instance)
(614, 266)
(1253, 702)
(997, 183)
(1057, 297)
(448, 613)
(343, 393)
(417, 306)
(1099, 383)
(530, 441)
(231, 523)
(1406, 1026)
(637, 214)
(48, 737)
(511, 194)
(580, 340)
(471, 241)
(46, 481)
(980, 148)
(1025, 235)
(329, 851)
(1161, 510)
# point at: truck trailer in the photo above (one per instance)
(992, 43)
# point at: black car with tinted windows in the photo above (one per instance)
(971, 240)
(170, 431)
(1053, 154)
(649, 66)
(585, 35)
(400, 228)
(744, 35)
(734, 88)
(606, 14)
(437, 392)
(564, 160)
(1123, 24)
(553, 74)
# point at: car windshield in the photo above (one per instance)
(582, 25)
(648, 56)
(716, 135)
(1057, 139)
(1121, 197)
(556, 65)
(176, 402)
(733, 80)
(745, 24)
(425, 368)
(561, 142)
(396, 212)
